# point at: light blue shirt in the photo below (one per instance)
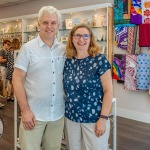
(44, 78)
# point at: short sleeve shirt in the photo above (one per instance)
(3, 53)
(83, 88)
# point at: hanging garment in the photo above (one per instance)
(138, 49)
(121, 36)
(145, 11)
(130, 73)
(131, 39)
(119, 66)
(136, 12)
(126, 9)
(144, 33)
(118, 12)
(143, 71)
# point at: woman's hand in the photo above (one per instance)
(100, 127)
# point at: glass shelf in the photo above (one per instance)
(11, 33)
(31, 31)
(91, 27)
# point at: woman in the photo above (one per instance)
(3, 64)
(15, 45)
(88, 89)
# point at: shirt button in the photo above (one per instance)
(53, 95)
(53, 72)
(53, 82)
(52, 61)
(51, 105)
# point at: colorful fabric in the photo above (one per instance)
(146, 11)
(119, 66)
(118, 13)
(138, 49)
(130, 72)
(143, 71)
(136, 12)
(121, 36)
(144, 33)
(126, 9)
(131, 39)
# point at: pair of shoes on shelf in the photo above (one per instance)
(2, 105)
(10, 99)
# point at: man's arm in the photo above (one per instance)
(28, 118)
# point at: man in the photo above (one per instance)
(38, 87)
(3, 63)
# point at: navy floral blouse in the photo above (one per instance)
(83, 88)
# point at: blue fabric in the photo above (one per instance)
(83, 88)
(143, 71)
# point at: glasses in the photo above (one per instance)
(84, 36)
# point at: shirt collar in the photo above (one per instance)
(41, 43)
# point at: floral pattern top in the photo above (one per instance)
(83, 88)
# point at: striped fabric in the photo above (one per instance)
(130, 72)
(131, 39)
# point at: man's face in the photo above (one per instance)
(7, 45)
(48, 26)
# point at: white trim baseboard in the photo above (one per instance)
(133, 115)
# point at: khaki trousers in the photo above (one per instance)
(45, 134)
(81, 136)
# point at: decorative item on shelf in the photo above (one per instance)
(68, 23)
(94, 20)
(3, 31)
(63, 39)
(103, 49)
(30, 28)
(16, 28)
(101, 21)
(101, 37)
(10, 30)
(87, 21)
(63, 24)
(30, 37)
(75, 21)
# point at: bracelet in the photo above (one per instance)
(104, 117)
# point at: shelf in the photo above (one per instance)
(91, 27)
(31, 32)
(11, 33)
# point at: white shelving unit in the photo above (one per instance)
(25, 27)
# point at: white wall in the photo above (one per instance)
(133, 105)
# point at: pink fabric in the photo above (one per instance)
(130, 72)
(131, 39)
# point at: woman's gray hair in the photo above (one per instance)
(49, 10)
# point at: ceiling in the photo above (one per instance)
(5, 3)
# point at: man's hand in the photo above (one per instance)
(28, 119)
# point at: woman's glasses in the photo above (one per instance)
(84, 36)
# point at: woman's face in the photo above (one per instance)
(81, 39)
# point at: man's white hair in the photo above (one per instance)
(49, 10)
